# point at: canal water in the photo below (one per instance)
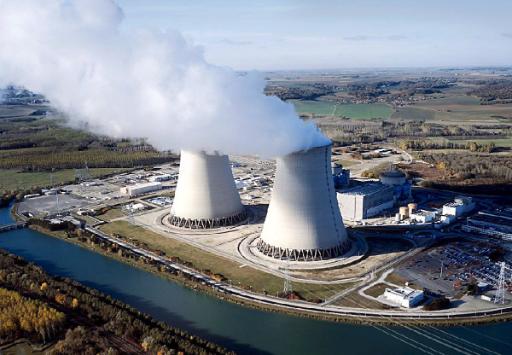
(244, 330)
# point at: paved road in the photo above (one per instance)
(299, 305)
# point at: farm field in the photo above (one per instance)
(355, 111)
(17, 180)
(501, 143)
(455, 109)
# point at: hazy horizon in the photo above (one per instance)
(298, 35)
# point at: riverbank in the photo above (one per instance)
(299, 309)
(71, 314)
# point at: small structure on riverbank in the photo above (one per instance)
(404, 296)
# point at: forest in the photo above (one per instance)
(79, 319)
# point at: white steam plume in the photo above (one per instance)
(145, 84)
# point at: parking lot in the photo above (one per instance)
(448, 269)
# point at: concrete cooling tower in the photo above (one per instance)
(303, 221)
(206, 195)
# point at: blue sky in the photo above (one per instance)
(324, 34)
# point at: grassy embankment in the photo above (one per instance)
(237, 273)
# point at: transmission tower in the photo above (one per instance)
(82, 174)
(287, 287)
(500, 293)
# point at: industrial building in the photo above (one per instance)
(365, 201)
(494, 223)
(404, 296)
(398, 180)
(206, 195)
(161, 177)
(423, 216)
(341, 176)
(139, 189)
(303, 221)
(458, 207)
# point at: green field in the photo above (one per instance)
(16, 180)
(355, 111)
(455, 109)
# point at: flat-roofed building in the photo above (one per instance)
(404, 296)
(365, 201)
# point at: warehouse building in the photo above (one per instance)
(139, 189)
(365, 201)
(458, 207)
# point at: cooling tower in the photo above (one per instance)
(303, 219)
(206, 195)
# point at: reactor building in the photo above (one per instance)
(206, 195)
(303, 221)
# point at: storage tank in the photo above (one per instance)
(206, 195)
(412, 207)
(303, 220)
(404, 212)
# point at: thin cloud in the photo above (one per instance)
(234, 42)
(357, 38)
(506, 35)
(375, 38)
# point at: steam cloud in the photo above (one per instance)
(141, 84)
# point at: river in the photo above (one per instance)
(244, 330)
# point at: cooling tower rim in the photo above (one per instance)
(315, 254)
(208, 223)
(214, 153)
(307, 150)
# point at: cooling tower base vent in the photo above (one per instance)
(207, 223)
(302, 254)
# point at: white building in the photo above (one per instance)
(303, 220)
(161, 177)
(447, 219)
(206, 195)
(139, 189)
(422, 216)
(458, 207)
(365, 201)
(135, 207)
(404, 296)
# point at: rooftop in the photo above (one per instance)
(365, 189)
(405, 292)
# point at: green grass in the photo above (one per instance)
(202, 260)
(16, 180)
(413, 114)
(376, 290)
(111, 214)
(355, 111)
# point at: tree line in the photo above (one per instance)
(95, 322)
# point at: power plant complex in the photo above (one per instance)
(206, 195)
